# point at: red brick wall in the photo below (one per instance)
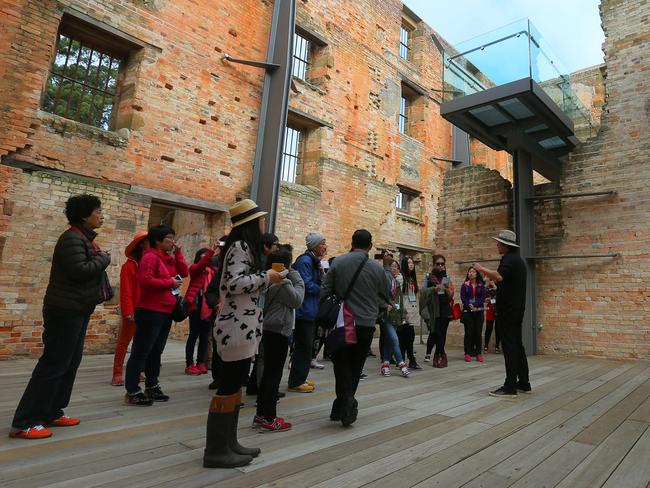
(597, 306)
(192, 124)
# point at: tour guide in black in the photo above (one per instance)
(511, 302)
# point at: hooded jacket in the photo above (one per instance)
(280, 302)
(309, 268)
(155, 277)
(201, 275)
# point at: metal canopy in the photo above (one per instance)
(517, 116)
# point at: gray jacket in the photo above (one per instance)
(280, 302)
(368, 296)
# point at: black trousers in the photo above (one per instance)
(431, 341)
(50, 387)
(151, 332)
(406, 334)
(199, 329)
(234, 376)
(473, 322)
(303, 339)
(215, 364)
(489, 326)
(275, 347)
(348, 363)
(514, 354)
(440, 334)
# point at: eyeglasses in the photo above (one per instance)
(440, 264)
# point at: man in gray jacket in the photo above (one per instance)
(366, 300)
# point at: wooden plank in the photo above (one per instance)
(597, 467)
(634, 470)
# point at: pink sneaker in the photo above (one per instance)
(202, 368)
(192, 370)
(479, 358)
(468, 358)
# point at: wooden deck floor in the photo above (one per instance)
(585, 425)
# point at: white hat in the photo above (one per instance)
(507, 237)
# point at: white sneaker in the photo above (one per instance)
(427, 358)
(405, 371)
(316, 365)
(385, 369)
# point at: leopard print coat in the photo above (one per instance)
(238, 327)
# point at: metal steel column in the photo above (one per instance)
(525, 229)
(273, 114)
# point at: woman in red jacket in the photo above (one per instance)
(159, 275)
(201, 315)
(129, 292)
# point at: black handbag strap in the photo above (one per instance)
(354, 278)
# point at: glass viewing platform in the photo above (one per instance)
(510, 53)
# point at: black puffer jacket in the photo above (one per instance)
(76, 272)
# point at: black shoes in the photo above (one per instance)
(350, 412)
(414, 365)
(503, 393)
(138, 400)
(155, 394)
(524, 387)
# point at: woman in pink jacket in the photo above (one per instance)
(201, 315)
(159, 275)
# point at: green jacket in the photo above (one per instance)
(429, 306)
(396, 315)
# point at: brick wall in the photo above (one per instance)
(187, 126)
(597, 306)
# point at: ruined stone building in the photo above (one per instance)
(132, 100)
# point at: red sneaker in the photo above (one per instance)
(479, 358)
(202, 368)
(35, 432)
(276, 425)
(64, 421)
(468, 358)
(192, 370)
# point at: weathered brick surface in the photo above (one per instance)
(598, 306)
(190, 126)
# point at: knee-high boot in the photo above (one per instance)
(234, 443)
(221, 429)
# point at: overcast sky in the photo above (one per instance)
(571, 27)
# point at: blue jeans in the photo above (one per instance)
(151, 331)
(391, 342)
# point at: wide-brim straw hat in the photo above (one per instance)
(507, 237)
(137, 239)
(245, 211)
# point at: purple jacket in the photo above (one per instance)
(466, 295)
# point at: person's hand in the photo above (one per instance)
(176, 283)
(274, 276)
(130, 318)
(176, 248)
(215, 247)
(478, 268)
(471, 307)
(389, 308)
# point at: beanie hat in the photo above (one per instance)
(313, 239)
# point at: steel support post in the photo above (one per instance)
(273, 114)
(525, 228)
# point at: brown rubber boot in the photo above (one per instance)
(234, 443)
(443, 361)
(221, 430)
(436, 361)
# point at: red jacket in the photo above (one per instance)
(200, 275)
(155, 275)
(129, 287)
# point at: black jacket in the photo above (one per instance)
(76, 272)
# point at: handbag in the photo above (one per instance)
(330, 306)
(344, 332)
(181, 309)
(106, 292)
(456, 312)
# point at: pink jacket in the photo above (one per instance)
(155, 278)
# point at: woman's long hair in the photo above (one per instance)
(251, 235)
(408, 275)
(479, 278)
